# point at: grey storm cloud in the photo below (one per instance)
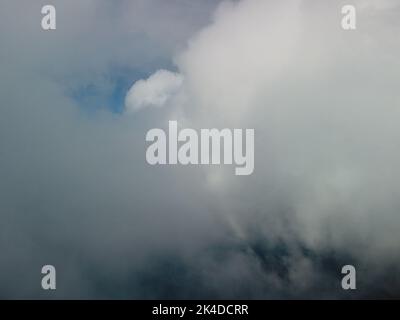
(76, 191)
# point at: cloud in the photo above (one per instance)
(156, 91)
(76, 191)
(323, 108)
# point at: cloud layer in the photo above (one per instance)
(76, 191)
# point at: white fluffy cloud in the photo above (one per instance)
(315, 95)
(155, 91)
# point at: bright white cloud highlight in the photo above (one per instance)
(156, 91)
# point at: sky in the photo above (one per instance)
(76, 191)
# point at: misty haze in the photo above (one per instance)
(77, 193)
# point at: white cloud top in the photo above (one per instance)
(156, 91)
